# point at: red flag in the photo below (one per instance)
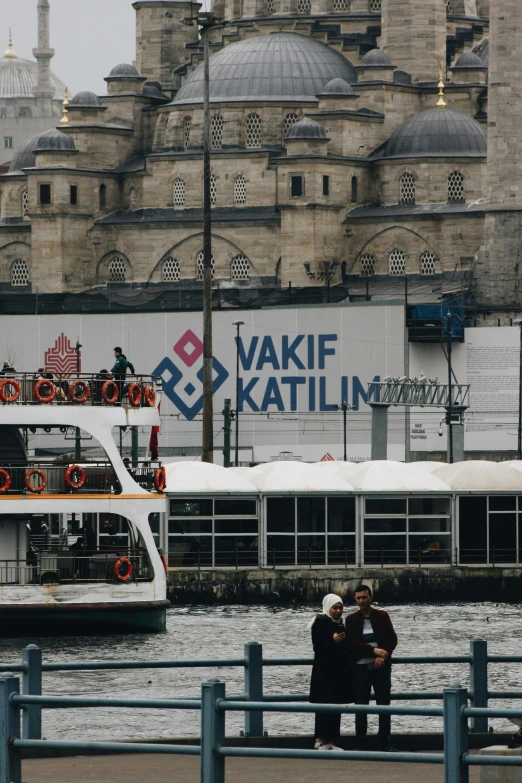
(153, 443)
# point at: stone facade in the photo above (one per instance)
(123, 207)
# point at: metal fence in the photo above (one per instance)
(73, 566)
(73, 389)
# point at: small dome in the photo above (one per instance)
(153, 90)
(376, 57)
(24, 156)
(436, 132)
(307, 129)
(469, 60)
(53, 141)
(273, 67)
(85, 98)
(338, 86)
(124, 71)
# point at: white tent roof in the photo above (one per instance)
(204, 477)
(294, 476)
(480, 474)
(428, 466)
(514, 463)
(390, 476)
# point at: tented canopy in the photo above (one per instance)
(204, 477)
(389, 476)
(481, 475)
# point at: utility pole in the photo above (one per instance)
(518, 323)
(344, 408)
(206, 21)
(77, 436)
(450, 401)
(226, 434)
(237, 324)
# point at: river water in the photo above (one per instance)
(200, 632)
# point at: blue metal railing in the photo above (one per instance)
(213, 752)
(253, 663)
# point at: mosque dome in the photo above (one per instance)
(307, 129)
(435, 133)
(376, 58)
(274, 67)
(85, 98)
(53, 140)
(337, 86)
(18, 78)
(124, 71)
(24, 156)
(469, 60)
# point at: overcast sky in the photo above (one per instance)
(90, 37)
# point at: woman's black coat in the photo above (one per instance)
(331, 681)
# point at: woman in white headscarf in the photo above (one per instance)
(331, 674)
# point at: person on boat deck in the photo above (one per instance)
(81, 565)
(119, 370)
(331, 673)
(7, 369)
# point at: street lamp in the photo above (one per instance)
(345, 408)
(237, 324)
(77, 436)
(518, 322)
(449, 409)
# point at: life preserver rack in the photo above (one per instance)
(69, 476)
(123, 562)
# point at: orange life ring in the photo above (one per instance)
(81, 476)
(15, 394)
(7, 480)
(86, 391)
(123, 561)
(35, 472)
(105, 392)
(44, 383)
(160, 478)
(134, 394)
(150, 396)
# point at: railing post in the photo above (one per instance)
(455, 735)
(478, 680)
(254, 687)
(212, 732)
(32, 686)
(10, 760)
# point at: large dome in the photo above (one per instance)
(274, 67)
(436, 132)
(18, 79)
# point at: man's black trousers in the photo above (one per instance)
(380, 679)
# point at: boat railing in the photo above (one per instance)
(99, 389)
(84, 564)
(43, 478)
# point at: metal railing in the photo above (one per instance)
(213, 750)
(62, 389)
(76, 565)
(100, 478)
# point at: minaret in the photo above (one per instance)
(500, 275)
(414, 36)
(44, 90)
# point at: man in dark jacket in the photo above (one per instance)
(371, 640)
(119, 370)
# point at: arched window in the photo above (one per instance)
(171, 270)
(187, 124)
(117, 270)
(449, 7)
(367, 265)
(304, 6)
(288, 121)
(103, 197)
(341, 5)
(240, 268)
(270, 7)
(216, 132)
(178, 193)
(397, 262)
(253, 130)
(427, 263)
(456, 186)
(355, 183)
(374, 6)
(25, 203)
(213, 189)
(199, 265)
(25, 111)
(132, 198)
(407, 189)
(19, 272)
(240, 189)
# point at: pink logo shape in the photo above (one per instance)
(61, 358)
(193, 344)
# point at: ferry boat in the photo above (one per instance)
(77, 550)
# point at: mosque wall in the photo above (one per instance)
(432, 180)
(414, 36)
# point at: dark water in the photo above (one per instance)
(201, 632)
